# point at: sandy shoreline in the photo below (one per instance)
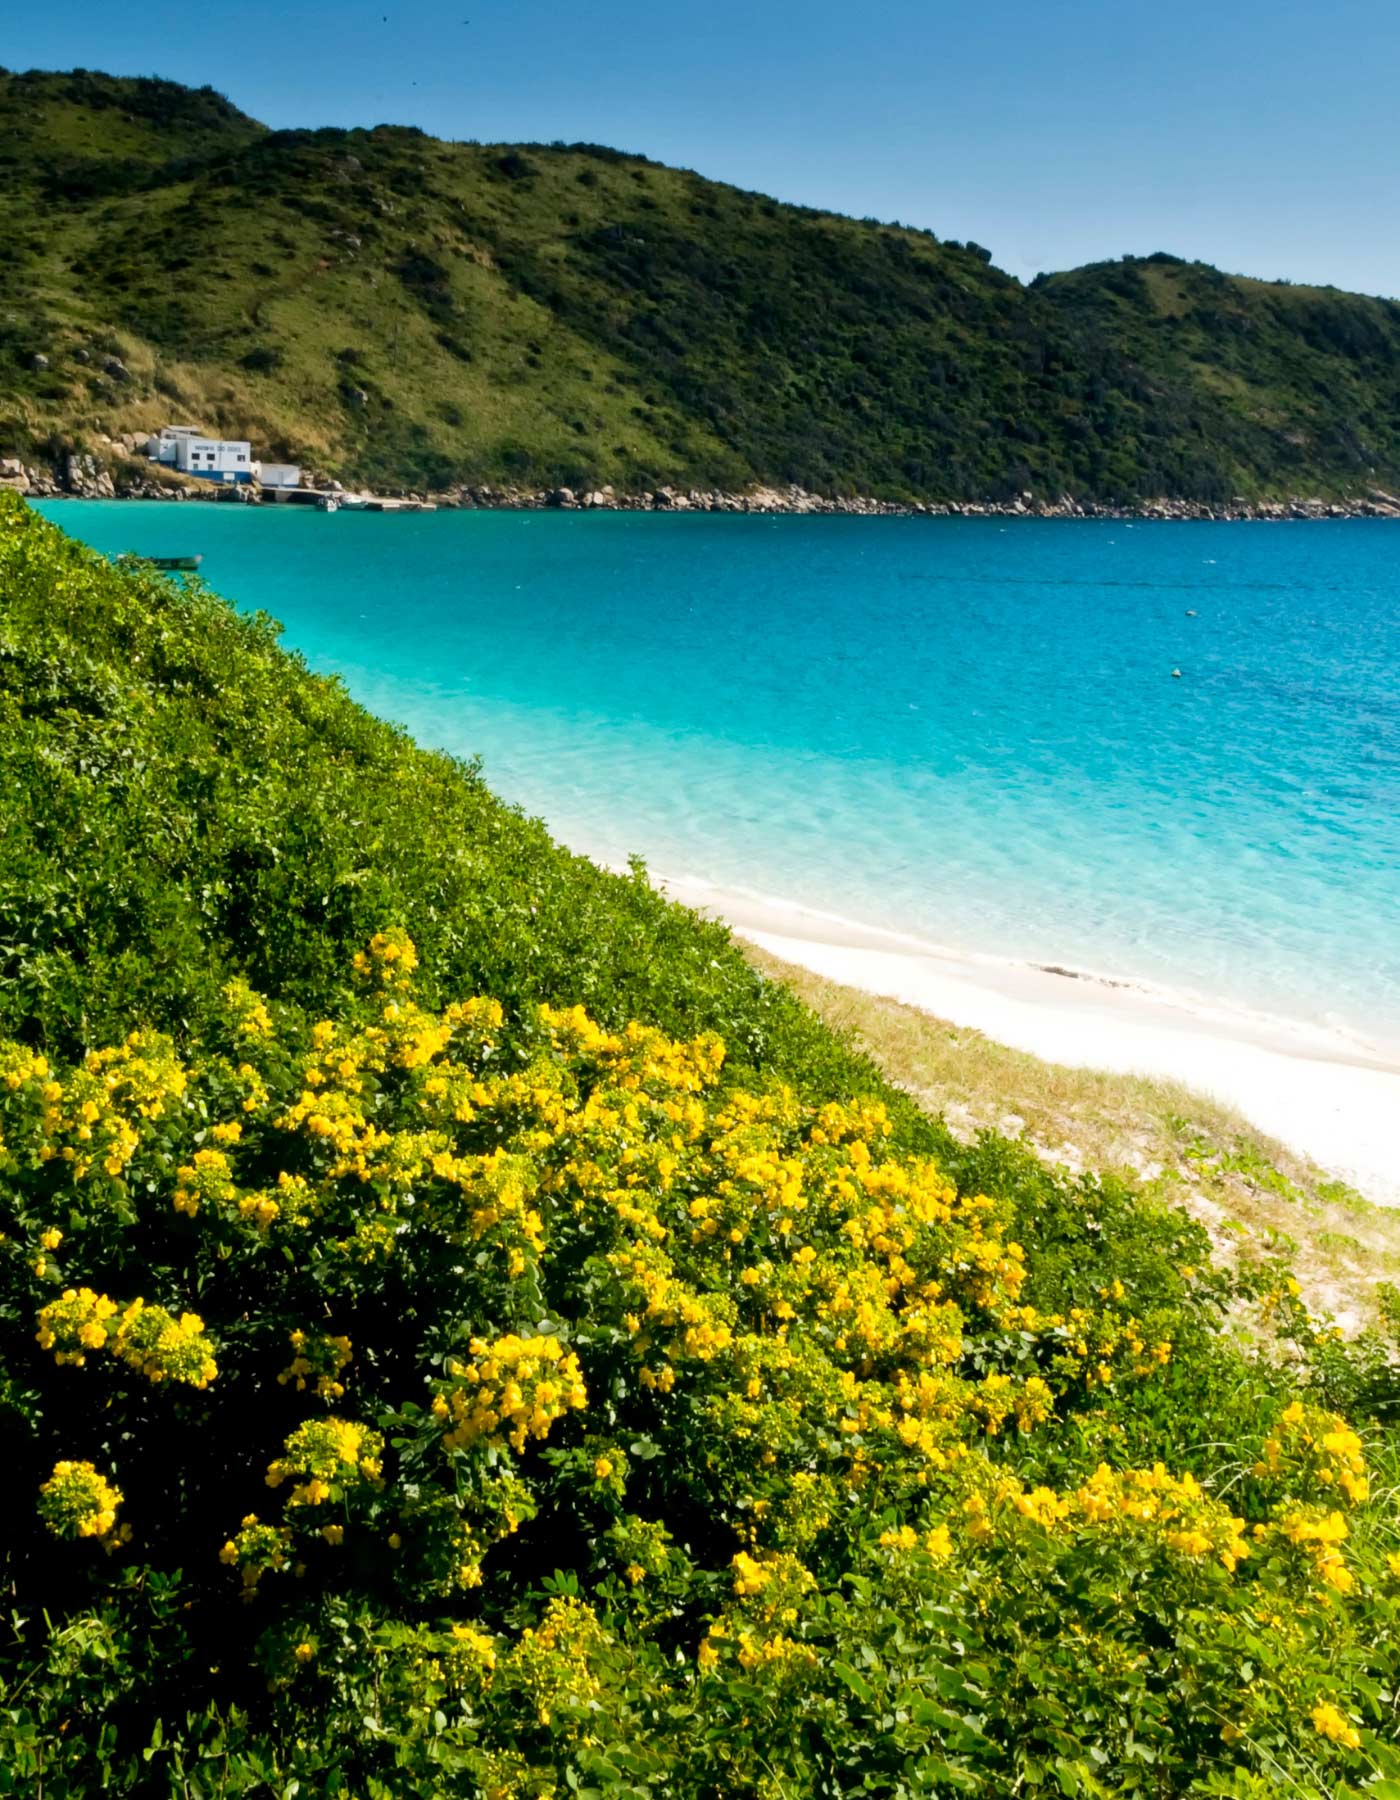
(1330, 1097)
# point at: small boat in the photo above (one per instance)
(174, 562)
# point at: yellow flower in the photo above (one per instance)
(903, 1538)
(51, 1239)
(602, 1469)
(1335, 1725)
(750, 1577)
(304, 1652)
(77, 1502)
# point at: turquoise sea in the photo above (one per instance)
(964, 729)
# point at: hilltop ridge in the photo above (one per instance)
(392, 308)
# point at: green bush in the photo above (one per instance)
(415, 1382)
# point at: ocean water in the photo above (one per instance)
(964, 729)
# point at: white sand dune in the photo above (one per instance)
(1330, 1097)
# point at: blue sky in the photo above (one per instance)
(1261, 137)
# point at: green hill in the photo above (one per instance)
(402, 310)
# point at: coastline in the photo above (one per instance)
(88, 477)
(1328, 1096)
(1332, 1098)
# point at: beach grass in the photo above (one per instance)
(1253, 1194)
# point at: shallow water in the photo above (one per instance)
(965, 729)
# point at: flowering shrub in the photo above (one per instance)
(511, 1390)
(718, 1426)
(77, 1502)
(161, 1346)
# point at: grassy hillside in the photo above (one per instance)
(465, 1332)
(398, 309)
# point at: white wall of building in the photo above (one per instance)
(282, 475)
(220, 459)
(163, 446)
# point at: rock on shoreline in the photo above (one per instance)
(88, 476)
(793, 499)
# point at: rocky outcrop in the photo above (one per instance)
(117, 468)
(86, 477)
(793, 499)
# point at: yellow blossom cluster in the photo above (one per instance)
(693, 1325)
(936, 1542)
(498, 1190)
(1173, 1509)
(1332, 1723)
(94, 1118)
(498, 1516)
(1321, 1534)
(768, 1593)
(327, 1457)
(81, 1320)
(79, 1502)
(162, 1346)
(473, 1651)
(552, 1663)
(334, 1120)
(207, 1178)
(773, 1654)
(838, 1329)
(512, 1389)
(318, 1361)
(1315, 1450)
(257, 1548)
(390, 960)
(638, 1056)
(839, 1278)
(247, 1009)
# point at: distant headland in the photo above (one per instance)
(461, 320)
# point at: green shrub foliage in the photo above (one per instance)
(462, 1333)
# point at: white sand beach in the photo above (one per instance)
(1327, 1096)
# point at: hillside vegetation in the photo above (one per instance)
(397, 309)
(464, 1331)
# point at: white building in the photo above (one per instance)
(278, 475)
(215, 459)
(184, 447)
(162, 446)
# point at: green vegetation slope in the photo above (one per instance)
(464, 1332)
(402, 310)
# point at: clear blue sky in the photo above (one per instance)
(1259, 136)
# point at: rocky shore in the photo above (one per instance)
(124, 476)
(1375, 504)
